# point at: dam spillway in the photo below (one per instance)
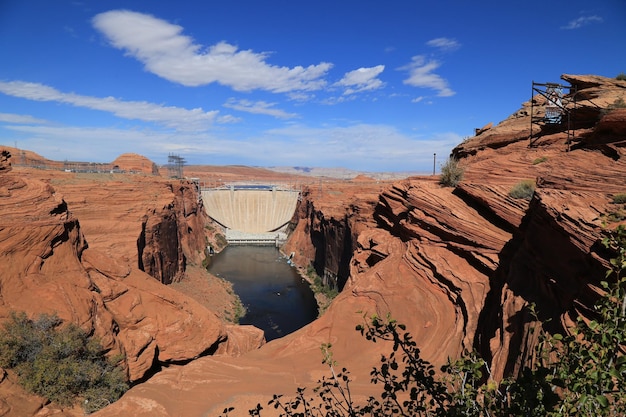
(251, 214)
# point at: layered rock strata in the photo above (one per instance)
(50, 266)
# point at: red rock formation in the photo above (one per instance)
(173, 235)
(48, 266)
(554, 259)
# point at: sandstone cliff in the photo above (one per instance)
(173, 235)
(48, 267)
(460, 266)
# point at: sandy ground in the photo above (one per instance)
(212, 292)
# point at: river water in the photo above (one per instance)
(276, 298)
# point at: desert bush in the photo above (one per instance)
(540, 160)
(62, 364)
(621, 76)
(619, 198)
(451, 173)
(614, 216)
(317, 286)
(619, 103)
(523, 189)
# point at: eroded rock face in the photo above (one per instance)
(325, 238)
(173, 235)
(555, 262)
(48, 267)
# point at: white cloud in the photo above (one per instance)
(362, 79)
(364, 147)
(582, 21)
(169, 116)
(258, 107)
(97, 144)
(228, 119)
(445, 44)
(421, 75)
(164, 51)
(20, 119)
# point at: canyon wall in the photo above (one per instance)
(325, 239)
(49, 267)
(478, 258)
(173, 234)
(82, 246)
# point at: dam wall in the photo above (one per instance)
(250, 211)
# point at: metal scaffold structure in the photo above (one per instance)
(555, 111)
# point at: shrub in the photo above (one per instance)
(540, 160)
(614, 216)
(317, 286)
(451, 173)
(619, 103)
(523, 189)
(619, 198)
(62, 364)
(621, 76)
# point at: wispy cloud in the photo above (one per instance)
(169, 116)
(362, 79)
(366, 147)
(97, 144)
(444, 44)
(421, 75)
(166, 52)
(20, 119)
(258, 107)
(582, 21)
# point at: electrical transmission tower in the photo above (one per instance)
(175, 164)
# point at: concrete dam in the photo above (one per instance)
(251, 214)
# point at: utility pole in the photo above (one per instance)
(434, 160)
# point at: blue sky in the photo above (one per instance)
(366, 85)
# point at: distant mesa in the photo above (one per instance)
(132, 162)
(25, 157)
(364, 178)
